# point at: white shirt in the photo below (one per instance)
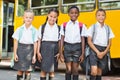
(50, 33)
(100, 34)
(27, 36)
(72, 32)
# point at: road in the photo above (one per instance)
(6, 73)
(9, 74)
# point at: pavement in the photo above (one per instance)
(5, 63)
(60, 75)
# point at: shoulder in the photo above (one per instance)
(58, 26)
(66, 23)
(82, 24)
(108, 28)
(33, 28)
(20, 28)
(92, 26)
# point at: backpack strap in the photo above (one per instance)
(58, 31)
(80, 26)
(94, 32)
(107, 33)
(108, 54)
(42, 30)
(33, 33)
(64, 26)
(20, 33)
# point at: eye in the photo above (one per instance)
(98, 14)
(51, 16)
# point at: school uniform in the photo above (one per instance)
(49, 47)
(26, 38)
(100, 36)
(72, 40)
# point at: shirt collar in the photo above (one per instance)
(72, 22)
(100, 24)
(47, 24)
(28, 28)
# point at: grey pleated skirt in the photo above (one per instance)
(25, 54)
(48, 51)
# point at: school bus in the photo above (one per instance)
(11, 12)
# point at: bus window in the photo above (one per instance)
(109, 4)
(11, 14)
(83, 5)
(22, 5)
(41, 7)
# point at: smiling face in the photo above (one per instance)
(73, 13)
(28, 18)
(100, 16)
(52, 17)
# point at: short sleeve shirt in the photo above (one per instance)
(50, 33)
(72, 32)
(100, 34)
(26, 35)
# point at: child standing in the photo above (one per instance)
(25, 44)
(48, 44)
(72, 38)
(99, 40)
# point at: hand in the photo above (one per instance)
(61, 57)
(15, 58)
(100, 55)
(33, 59)
(58, 56)
(81, 58)
(39, 57)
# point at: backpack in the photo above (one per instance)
(80, 26)
(43, 28)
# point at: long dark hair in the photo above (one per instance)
(52, 10)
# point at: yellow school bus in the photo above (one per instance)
(11, 12)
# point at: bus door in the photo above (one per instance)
(7, 41)
(0, 29)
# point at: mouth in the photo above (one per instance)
(73, 17)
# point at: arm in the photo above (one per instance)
(15, 50)
(38, 46)
(58, 54)
(111, 35)
(61, 48)
(90, 43)
(83, 48)
(108, 47)
(35, 50)
(38, 50)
